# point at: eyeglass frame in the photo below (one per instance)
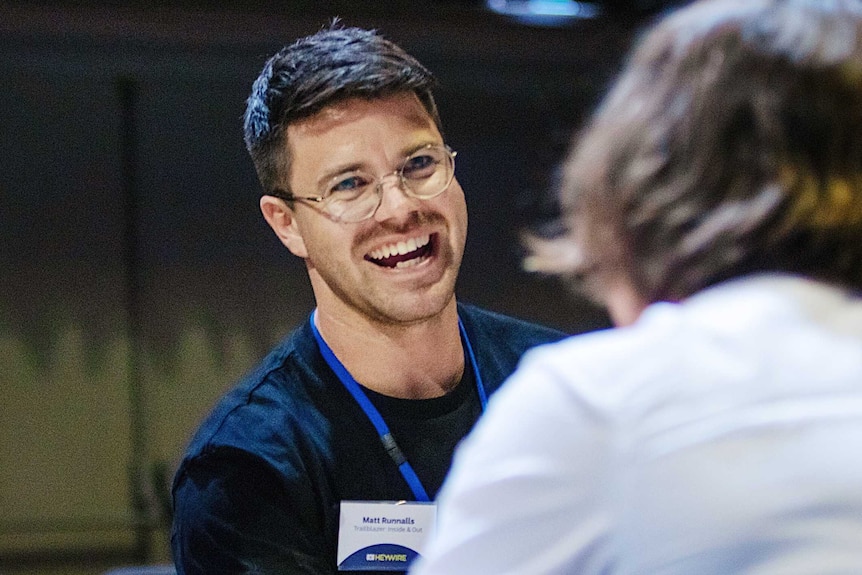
(378, 185)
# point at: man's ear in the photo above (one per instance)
(282, 221)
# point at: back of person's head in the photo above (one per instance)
(335, 64)
(731, 144)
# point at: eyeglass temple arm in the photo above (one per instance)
(287, 196)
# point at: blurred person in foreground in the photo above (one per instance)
(365, 401)
(714, 204)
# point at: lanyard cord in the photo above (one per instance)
(374, 415)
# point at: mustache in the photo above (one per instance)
(415, 221)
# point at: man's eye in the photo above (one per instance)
(349, 187)
(419, 167)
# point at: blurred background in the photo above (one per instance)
(139, 279)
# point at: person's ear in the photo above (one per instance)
(282, 220)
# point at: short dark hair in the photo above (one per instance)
(731, 144)
(316, 71)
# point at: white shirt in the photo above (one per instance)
(718, 436)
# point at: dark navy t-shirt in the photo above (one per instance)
(261, 483)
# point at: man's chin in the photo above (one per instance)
(408, 309)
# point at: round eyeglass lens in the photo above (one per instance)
(354, 209)
(428, 172)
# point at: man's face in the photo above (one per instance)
(353, 265)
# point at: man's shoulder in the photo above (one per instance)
(503, 328)
(257, 408)
(498, 341)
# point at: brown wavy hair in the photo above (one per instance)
(730, 144)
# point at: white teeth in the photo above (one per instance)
(399, 248)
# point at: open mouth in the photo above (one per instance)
(404, 254)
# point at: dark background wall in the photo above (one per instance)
(138, 277)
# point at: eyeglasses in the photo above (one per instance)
(354, 196)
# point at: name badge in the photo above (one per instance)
(383, 535)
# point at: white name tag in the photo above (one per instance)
(383, 535)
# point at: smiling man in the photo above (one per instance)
(365, 402)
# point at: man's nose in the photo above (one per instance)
(397, 201)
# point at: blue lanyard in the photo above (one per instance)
(374, 416)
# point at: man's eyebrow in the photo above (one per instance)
(413, 149)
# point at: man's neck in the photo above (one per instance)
(415, 361)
